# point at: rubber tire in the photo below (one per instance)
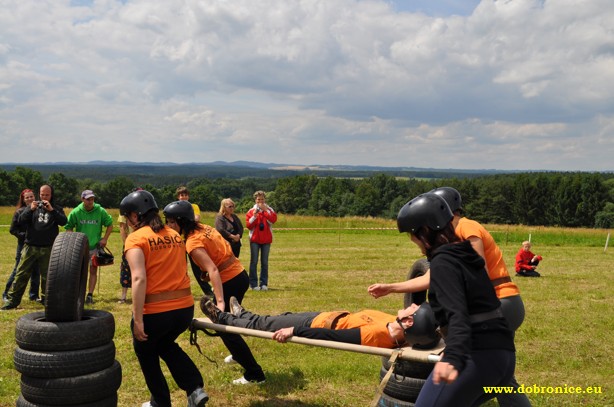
(389, 401)
(419, 268)
(67, 277)
(64, 363)
(107, 402)
(67, 391)
(407, 368)
(402, 387)
(33, 332)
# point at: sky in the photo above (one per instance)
(491, 84)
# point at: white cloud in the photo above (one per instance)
(522, 84)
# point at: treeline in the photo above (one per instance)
(548, 199)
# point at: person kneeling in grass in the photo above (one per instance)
(414, 325)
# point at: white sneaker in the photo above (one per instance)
(256, 288)
(229, 360)
(147, 404)
(243, 380)
(264, 288)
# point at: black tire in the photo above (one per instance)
(73, 390)
(65, 363)
(402, 387)
(407, 368)
(33, 332)
(388, 401)
(419, 268)
(108, 402)
(67, 277)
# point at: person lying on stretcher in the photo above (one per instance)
(413, 326)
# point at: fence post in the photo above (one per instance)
(607, 240)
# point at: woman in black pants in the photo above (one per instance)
(214, 256)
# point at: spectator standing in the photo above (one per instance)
(26, 197)
(214, 256)
(183, 194)
(89, 218)
(162, 302)
(527, 261)
(259, 220)
(43, 219)
(229, 225)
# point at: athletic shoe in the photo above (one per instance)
(256, 288)
(264, 288)
(209, 309)
(229, 360)
(8, 306)
(243, 380)
(89, 298)
(235, 308)
(198, 398)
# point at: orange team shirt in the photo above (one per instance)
(217, 248)
(467, 228)
(165, 265)
(373, 326)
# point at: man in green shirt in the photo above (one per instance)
(89, 218)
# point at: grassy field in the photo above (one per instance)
(320, 264)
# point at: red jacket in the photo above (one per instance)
(260, 225)
(523, 259)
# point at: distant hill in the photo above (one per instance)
(167, 172)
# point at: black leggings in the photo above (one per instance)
(241, 353)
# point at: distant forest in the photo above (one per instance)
(570, 199)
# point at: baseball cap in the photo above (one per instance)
(88, 193)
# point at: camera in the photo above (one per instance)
(261, 226)
(41, 205)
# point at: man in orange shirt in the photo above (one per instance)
(414, 325)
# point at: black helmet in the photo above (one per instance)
(452, 197)
(103, 257)
(424, 210)
(423, 333)
(180, 210)
(139, 202)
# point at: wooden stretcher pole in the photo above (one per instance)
(406, 354)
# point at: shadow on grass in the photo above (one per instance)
(280, 384)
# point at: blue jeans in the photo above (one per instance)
(35, 278)
(493, 367)
(264, 264)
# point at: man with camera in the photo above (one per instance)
(89, 218)
(43, 219)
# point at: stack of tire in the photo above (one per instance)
(408, 377)
(66, 356)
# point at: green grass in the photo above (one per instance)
(565, 339)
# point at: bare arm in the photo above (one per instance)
(136, 260)
(409, 286)
(204, 262)
(478, 246)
